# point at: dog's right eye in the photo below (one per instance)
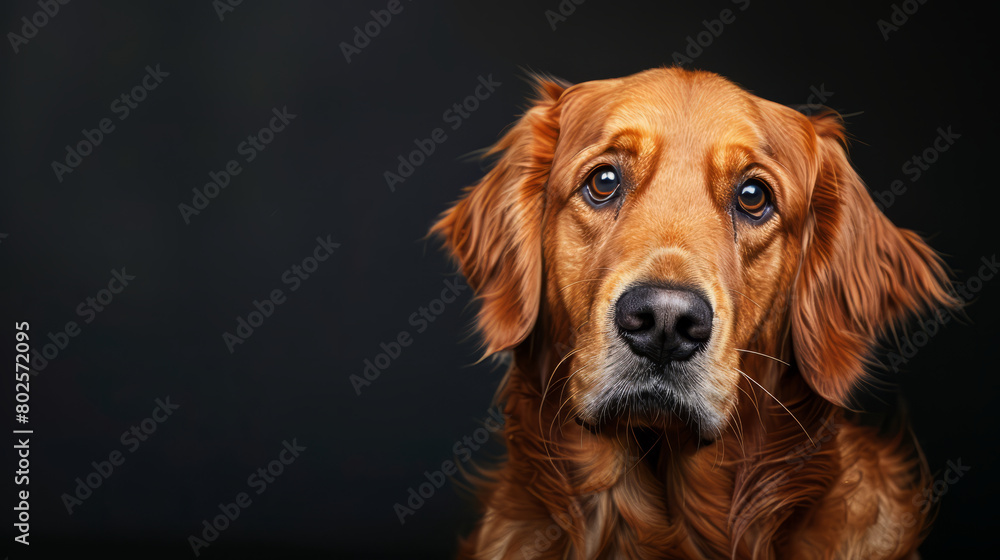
(602, 185)
(753, 199)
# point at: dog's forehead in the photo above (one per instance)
(672, 103)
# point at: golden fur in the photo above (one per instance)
(764, 461)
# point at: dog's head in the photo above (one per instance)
(669, 224)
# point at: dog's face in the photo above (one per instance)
(675, 209)
(660, 223)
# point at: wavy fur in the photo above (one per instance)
(793, 474)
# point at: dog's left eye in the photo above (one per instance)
(753, 198)
(602, 185)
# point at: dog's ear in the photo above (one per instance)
(860, 275)
(494, 230)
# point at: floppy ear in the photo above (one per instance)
(494, 230)
(860, 275)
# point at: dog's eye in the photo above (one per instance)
(602, 184)
(753, 198)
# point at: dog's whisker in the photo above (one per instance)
(806, 432)
(753, 399)
(646, 452)
(552, 375)
(720, 452)
(736, 430)
(738, 426)
(566, 383)
(748, 297)
(571, 284)
(762, 354)
(541, 407)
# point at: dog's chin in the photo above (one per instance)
(659, 398)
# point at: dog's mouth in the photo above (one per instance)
(660, 397)
(658, 363)
(647, 435)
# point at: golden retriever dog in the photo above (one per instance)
(688, 281)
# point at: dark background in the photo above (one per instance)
(323, 176)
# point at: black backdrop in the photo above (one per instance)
(199, 84)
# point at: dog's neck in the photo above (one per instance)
(671, 483)
(770, 486)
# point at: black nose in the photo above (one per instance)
(663, 324)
